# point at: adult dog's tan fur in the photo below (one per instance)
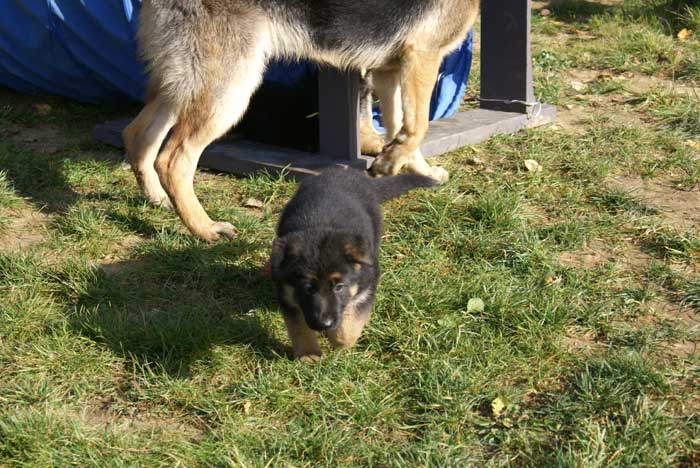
(207, 57)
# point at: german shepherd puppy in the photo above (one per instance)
(325, 259)
(207, 57)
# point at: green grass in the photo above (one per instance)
(126, 342)
(677, 111)
(633, 36)
(8, 199)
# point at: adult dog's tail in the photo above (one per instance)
(394, 186)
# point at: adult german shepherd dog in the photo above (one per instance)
(207, 57)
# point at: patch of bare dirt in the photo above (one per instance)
(678, 207)
(641, 84)
(684, 402)
(665, 309)
(626, 258)
(572, 119)
(577, 342)
(575, 115)
(43, 139)
(113, 263)
(101, 412)
(537, 4)
(592, 256)
(26, 228)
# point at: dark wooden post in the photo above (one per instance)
(339, 110)
(506, 58)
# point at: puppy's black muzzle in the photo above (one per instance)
(322, 323)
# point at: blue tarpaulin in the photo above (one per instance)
(86, 50)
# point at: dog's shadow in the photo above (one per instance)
(169, 308)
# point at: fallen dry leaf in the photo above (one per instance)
(497, 407)
(532, 165)
(684, 34)
(475, 305)
(550, 280)
(253, 203)
(577, 86)
(42, 108)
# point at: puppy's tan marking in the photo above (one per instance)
(335, 276)
(353, 252)
(304, 342)
(350, 329)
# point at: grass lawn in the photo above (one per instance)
(125, 342)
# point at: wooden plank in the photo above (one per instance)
(475, 126)
(246, 157)
(241, 156)
(339, 111)
(506, 57)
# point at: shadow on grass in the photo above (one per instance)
(37, 177)
(133, 221)
(57, 130)
(577, 11)
(169, 307)
(670, 13)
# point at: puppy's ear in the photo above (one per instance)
(279, 245)
(356, 250)
(283, 248)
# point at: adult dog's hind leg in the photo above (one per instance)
(387, 87)
(143, 138)
(418, 75)
(204, 120)
(371, 142)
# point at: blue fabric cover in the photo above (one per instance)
(85, 50)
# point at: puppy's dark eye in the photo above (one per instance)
(339, 287)
(309, 288)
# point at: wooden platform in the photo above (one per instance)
(246, 157)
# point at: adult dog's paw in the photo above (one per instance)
(217, 230)
(439, 174)
(390, 162)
